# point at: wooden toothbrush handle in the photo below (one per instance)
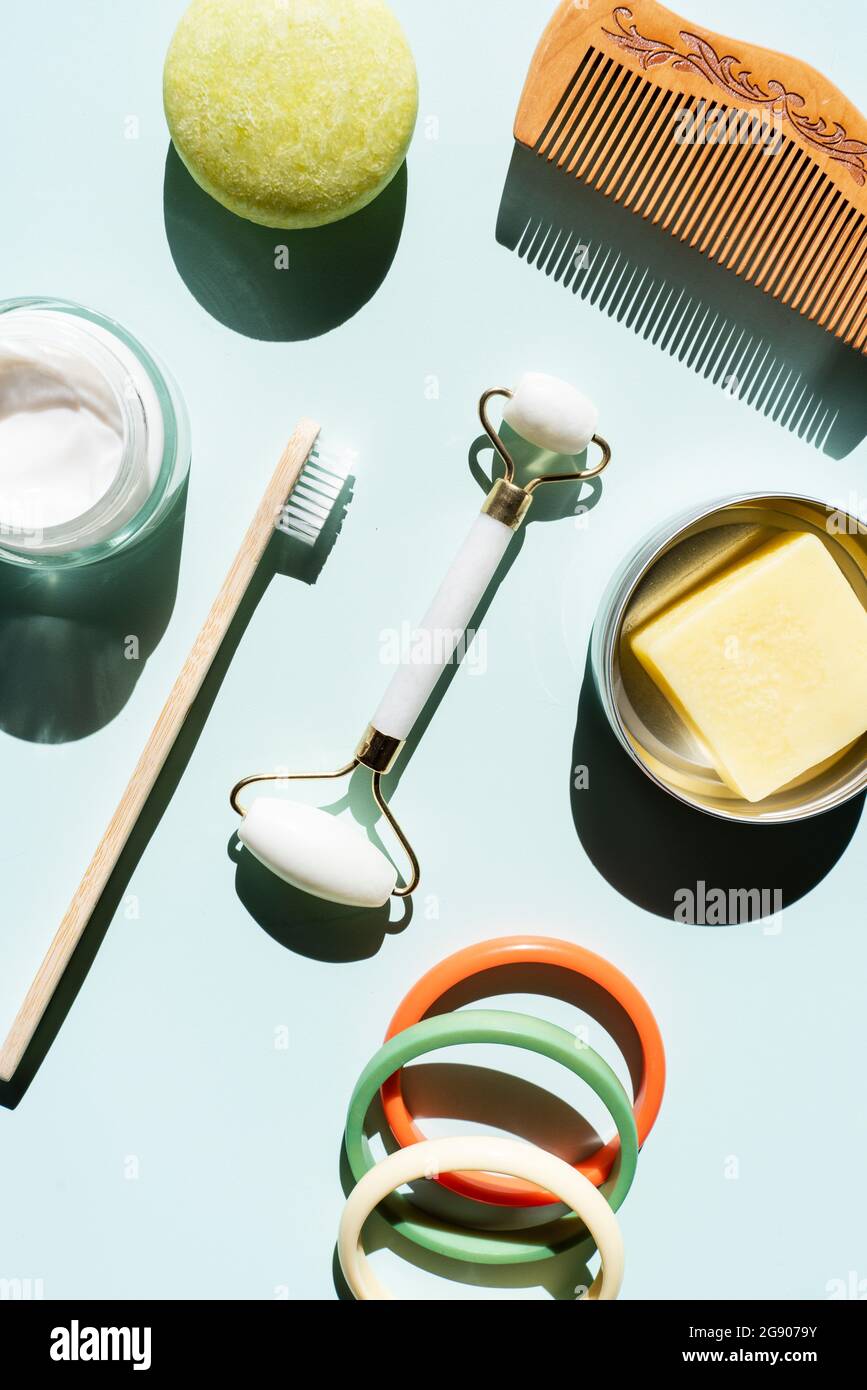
(157, 748)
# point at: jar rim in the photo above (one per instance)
(134, 416)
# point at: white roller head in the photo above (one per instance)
(317, 853)
(551, 414)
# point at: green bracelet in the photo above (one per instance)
(514, 1030)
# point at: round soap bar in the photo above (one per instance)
(291, 113)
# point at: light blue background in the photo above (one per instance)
(168, 1055)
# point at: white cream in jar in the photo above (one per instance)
(93, 435)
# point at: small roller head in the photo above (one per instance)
(317, 853)
(314, 496)
(551, 414)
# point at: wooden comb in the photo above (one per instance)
(610, 88)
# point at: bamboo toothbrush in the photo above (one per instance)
(298, 500)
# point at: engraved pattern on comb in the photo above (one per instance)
(703, 59)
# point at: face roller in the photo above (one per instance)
(333, 859)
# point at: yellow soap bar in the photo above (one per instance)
(291, 113)
(767, 663)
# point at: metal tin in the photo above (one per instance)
(684, 551)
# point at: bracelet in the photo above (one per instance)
(524, 950)
(513, 1030)
(513, 1156)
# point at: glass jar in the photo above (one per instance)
(94, 436)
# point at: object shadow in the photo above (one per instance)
(74, 643)
(550, 982)
(752, 346)
(477, 1096)
(561, 1276)
(309, 926)
(276, 285)
(285, 557)
(654, 849)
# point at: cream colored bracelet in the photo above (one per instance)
(478, 1153)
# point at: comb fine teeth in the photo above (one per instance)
(763, 205)
(314, 496)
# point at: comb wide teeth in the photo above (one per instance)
(314, 496)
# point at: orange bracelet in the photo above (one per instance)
(494, 1188)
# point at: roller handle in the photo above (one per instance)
(442, 628)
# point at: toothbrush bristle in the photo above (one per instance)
(321, 483)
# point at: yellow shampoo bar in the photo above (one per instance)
(767, 663)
